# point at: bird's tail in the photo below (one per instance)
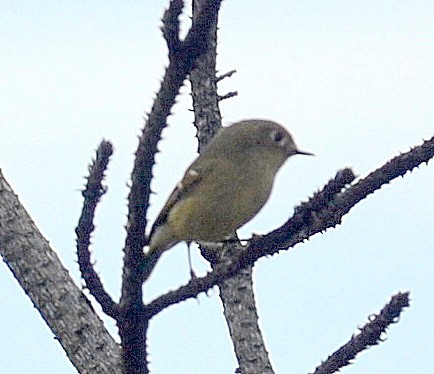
(150, 260)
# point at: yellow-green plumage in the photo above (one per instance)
(226, 186)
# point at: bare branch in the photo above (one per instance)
(225, 75)
(226, 269)
(369, 335)
(318, 215)
(228, 95)
(92, 194)
(63, 306)
(239, 306)
(207, 116)
(182, 57)
(191, 289)
(179, 67)
(395, 168)
(241, 315)
(324, 210)
(197, 40)
(171, 26)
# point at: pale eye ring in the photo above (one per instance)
(278, 137)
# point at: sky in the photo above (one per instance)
(353, 81)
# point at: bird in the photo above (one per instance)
(225, 187)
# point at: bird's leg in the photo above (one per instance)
(192, 274)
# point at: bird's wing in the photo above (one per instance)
(190, 179)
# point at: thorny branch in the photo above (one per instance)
(92, 194)
(324, 210)
(369, 335)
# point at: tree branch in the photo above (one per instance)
(225, 75)
(182, 57)
(228, 265)
(241, 315)
(171, 27)
(228, 95)
(179, 67)
(207, 116)
(236, 293)
(92, 194)
(369, 335)
(318, 215)
(62, 305)
(324, 210)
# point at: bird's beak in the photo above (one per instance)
(298, 152)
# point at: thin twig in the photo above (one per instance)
(369, 335)
(225, 270)
(92, 194)
(319, 217)
(171, 26)
(182, 56)
(225, 75)
(179, 67)
(228, 95)
(324, 210)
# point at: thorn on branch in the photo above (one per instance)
(396, 167)
(369, 335)
(94, 188)
(326, 208)
(92, 195)
(171, 26)
(307, 218)
(182, 59)
(228, 95)
(301, 227)
(321, 198)
(225, 75)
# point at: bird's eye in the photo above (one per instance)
(278, 137)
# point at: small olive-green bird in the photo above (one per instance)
(225, 187)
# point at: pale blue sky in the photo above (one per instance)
(352, 80)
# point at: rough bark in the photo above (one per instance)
(237, 292)
(242, 318)
(62, 305)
